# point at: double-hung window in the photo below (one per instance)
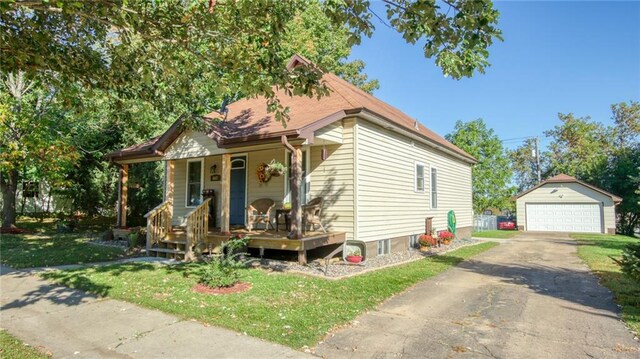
(194, 183)
(419, 187)
(434, 187)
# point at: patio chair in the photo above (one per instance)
(311, 214)
(259, 211)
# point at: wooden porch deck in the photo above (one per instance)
(259, 239)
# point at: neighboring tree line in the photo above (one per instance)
(79, 79)
(605, 156)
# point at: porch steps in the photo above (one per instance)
(172, 246)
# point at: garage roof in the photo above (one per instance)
(563, 178)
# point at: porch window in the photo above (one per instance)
(434, 187)
(419, 177)
(194, 183)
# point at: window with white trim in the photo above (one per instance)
(419, 173)
(384, 247)
(434, 187)
(305, 185)
(194, 183)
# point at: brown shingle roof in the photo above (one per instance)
(563, 178)
(249, 118)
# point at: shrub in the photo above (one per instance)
(223, 270)
(631, 261)
(427, 240)
(137, 238)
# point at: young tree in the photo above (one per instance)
(33, 135)
(492, 173)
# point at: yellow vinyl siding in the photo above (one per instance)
(191, 144)
(331, 133)
(567, 193)
(273, 189)
(388, 205)
(332, 179)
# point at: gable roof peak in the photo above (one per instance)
(297, 60)
(562, 177)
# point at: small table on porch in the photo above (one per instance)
(286, 213)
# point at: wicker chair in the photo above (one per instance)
(312, 212)
(259, 211)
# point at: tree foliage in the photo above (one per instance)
(112, 43)
(34, 137)
(492, 173)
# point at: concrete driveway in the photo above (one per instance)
(531, 297)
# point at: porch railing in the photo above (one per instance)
(197, 227)
(159, 223)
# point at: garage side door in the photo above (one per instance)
(585, 217)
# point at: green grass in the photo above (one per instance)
(595, 250)
(12, 348)
(290, 309)
(45, 247)
(496, 234)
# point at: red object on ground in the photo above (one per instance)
(507, 225)
(354, 259)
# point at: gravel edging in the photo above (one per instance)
(341, 270)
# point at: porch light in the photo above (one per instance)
(213, 169)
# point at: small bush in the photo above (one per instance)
(137, 238)
(631, 261)
(223, 270)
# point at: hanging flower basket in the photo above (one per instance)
(276, 168)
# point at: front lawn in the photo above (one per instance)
(595, 250)
(45, 247)
(495, 234)
(290, 309)
(13, 348)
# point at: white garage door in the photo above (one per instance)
(584, 217)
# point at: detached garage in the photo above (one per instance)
(565, 204)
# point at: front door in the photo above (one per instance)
(238, 190)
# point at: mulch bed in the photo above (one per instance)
(236, 288)
(15, 230)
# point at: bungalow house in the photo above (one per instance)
(380, 173)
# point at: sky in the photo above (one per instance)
(556, 57)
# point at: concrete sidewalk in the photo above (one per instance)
(74, 324)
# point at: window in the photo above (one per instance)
(384, 247)
(434, 187)
(194, 183)
(419, 177)
(30, 189)
(414, 241)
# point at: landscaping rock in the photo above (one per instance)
(341, 269)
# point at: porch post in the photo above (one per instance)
(171, 173)
(123, 178)
(296, 179)
(225, 188)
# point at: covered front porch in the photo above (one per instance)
(206, 198)
(174, 244)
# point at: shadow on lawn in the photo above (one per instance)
(75, 287)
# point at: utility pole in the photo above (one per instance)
(538, 159)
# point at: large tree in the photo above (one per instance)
(34, 137)
(578, 146)
(606, 156)
(112, 43)
(492, 173)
